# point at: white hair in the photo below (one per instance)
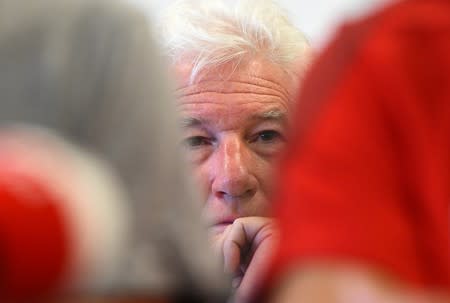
(212, 33)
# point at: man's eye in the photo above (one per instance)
(196, 141)
(268, 136)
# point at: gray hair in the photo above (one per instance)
(216, 32)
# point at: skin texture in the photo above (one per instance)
(234, 123)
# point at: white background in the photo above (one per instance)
(318, 19)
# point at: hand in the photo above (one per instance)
(247, 247)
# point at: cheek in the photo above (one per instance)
(265, 172)
(201, 180)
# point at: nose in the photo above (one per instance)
(233, 178)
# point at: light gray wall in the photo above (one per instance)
(318, 19)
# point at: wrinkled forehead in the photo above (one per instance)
(257, 71)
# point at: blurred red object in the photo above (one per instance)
(33, 236)
(63, 220)
(366, 177)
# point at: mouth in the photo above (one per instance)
(219, 227)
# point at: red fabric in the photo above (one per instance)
(33, 238)
(367, 176)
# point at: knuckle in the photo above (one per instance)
(239, 221)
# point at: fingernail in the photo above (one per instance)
(236, 282)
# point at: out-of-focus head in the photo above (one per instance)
(237, 65)
(83, 99)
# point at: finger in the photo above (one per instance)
(265, 241)
(236, 282)
(233, 245)
(240, 238)
(217, 242)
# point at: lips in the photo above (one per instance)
(221, 225)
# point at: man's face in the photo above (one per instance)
(233, 129)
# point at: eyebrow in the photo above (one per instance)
(274, 115)
(271, 115)
(189, 122)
